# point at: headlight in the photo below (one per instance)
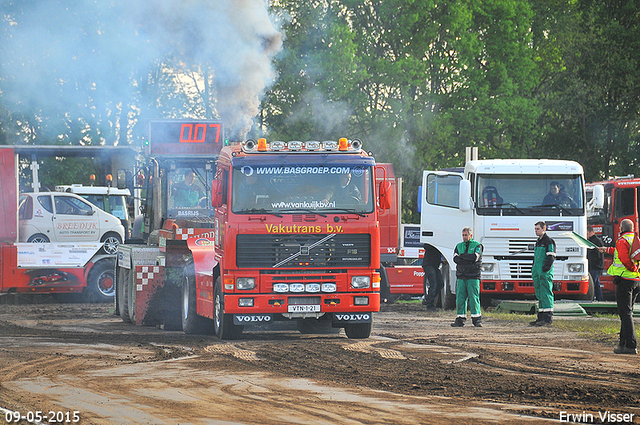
(296, 287)
(487, 267)
(245, 283)
(312, 287)
(360, 282)
(329, 287)
(280, 287)
(576, 268)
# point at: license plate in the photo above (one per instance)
(303, 308)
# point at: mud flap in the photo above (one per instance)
(246, 319)
(342, 319)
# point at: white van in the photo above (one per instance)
(110, 199)
(66, 217)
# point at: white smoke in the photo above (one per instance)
(65, 57)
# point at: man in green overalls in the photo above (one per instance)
(468, 258)
(542, 273)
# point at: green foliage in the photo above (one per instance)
(416, 80)
(419, 81)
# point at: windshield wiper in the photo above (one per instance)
(258, 211)
(307, 210)
(560, 207)
(512, 206)
(349, 210)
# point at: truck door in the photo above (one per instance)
(441, 220)
(625, 206)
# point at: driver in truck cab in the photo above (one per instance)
(344, 191)
(186, 193)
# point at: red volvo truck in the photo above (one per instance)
(279, 231)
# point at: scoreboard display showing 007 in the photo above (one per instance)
(184, 137)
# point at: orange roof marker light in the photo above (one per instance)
(262, 145)
(343, 144)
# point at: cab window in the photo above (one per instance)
(72, 206)
(443, 190)
(625, 202)
(26, 208)
(45, 202)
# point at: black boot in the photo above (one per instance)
(537, 321)
(546, 319)
(459, 322)
(477, 321)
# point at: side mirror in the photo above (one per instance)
(385, 201)
(464, 196)
(597, 201)
(216, 193)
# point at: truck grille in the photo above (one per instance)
(520, 270)
(303, 251)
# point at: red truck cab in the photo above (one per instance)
(621, 201)
(296, 237)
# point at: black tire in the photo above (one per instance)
(38, 238)
(223, 323)
(485, 300)
(315, 326)
(122, 290)
(101, 282)
(111, 241)
(358, 330)
(131, 297)
(192, 323)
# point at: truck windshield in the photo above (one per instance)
(189, 192)
(305, 188)
(530, 194)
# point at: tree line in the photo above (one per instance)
(416, 80)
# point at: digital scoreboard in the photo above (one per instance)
(184, 137)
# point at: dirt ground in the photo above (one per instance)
(61, 359)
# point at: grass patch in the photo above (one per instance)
(599, 327)
(511, 317)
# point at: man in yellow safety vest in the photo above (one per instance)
(627, 280)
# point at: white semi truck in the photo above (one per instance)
(501, 200)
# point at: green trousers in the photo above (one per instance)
(468, 289)
(543, 287)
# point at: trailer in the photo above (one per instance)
(72, 267)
